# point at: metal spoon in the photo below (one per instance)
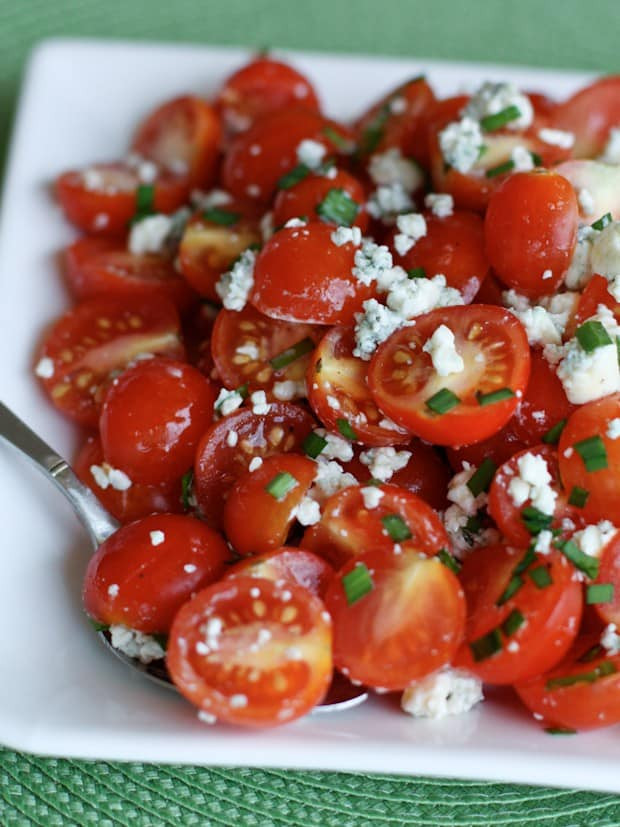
(99, 525)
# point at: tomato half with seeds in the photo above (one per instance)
(142, 575)
(99, 337)
(221, 460)
(519, 623)
(247, 348)
(590, 114)
(261, 505)
(304, 199)
(337, 390)
(288, 564)
(250, 652)
(460, 408)
(397, 617)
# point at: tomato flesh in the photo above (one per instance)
(288, 563)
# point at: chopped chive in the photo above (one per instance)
(540, 577)
(293, 177)
(338, 207)
(162, 640)
(588, 565)
(357, 583)
(602, 222)
(145, 200)
(513, 622)
(592, 452)
(482, 476)
(344, 426)
(535, 520)
(187, 481)
(416, 273)
(500, 169)
(449, 561)
(442, 401)
(280, 485)
(578, 496)
(560, 730)
(292, 353)
(396, 527)
(514, 584)
(528, 558)
(374, 481)
(592, 653)
(536, 159)
(592, 335)
(487, 645)
(216, 215)
(601, 671)
(98, 627)
(492, 122)
(599, 593)
(338, 140)
(314, 444)
(618, 348)
(473, 525)
(494, 396)
(373, 133)
(552, 437)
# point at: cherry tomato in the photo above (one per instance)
(590, 114)
(104, 267)
(498, 448)
(303, 199)
(252, 653)
(495, 351)
(596, 470)
(244, 344)
(407, 621)
(531, 231)
(541, 621)
(337, 390)
(90, 343)
(259, 88)
(152, 418)
(581, 692)
(220, 460)
(288, 564)
(609, 573)
(142, 575)
(349, 527)
(596, 292)
(301, 275)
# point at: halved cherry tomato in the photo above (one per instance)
(90, 343)
(590, 114)
(599, 476)
(348, 527)
(250, 652)
(105, 267)
(609, 573)
(288, 564)
(337, 390)
(142, 575)
(531, 231)
(303, 199)
(245, 342)
(220, 461)
(581, 692)
(511, 639)
(407, 621)
(259, 512)
(596, 292)
(495, 351)
(302, 276)
(152, 418)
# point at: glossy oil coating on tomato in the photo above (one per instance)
(247, 651)
(408, 622)
(142, 575)
(495, 352)
(288, 563)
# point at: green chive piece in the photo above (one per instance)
(162, 640)
(416, 273)
(487, 645)
(187, 481)
(293, 177)
(536, 159)
(344, 426)
(442, 401)
(242, 390)
(602, 222)
(357, 583)
(338, 207)
(592, 452)
(396, 527)
(535, 520)
(494, 396)
(449, 561)
(540, 577)
(473, 525)
(618, 348)
(552, 437)
(482, 476)
(578, 496)
(513, 622)
(599, 593)
(601, 671)
(560, 730)
(98, 627)
(592, 335)
(500, 169)
(338, 140)
(493, 122)
(592, 653)
(292, 353)
(314, 444)
(528, 558)
(145, 199)
(374, 481)
(588, 565)
(373, 133)
(216, 215)
(514, 584)
(280, 485)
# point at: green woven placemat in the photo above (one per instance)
(50, 792)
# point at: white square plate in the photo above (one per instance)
(61, 693)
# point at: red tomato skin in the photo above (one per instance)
(596, 292)
(153, 417)
(152, 580)
(300, 275)
(303, 198)
(498, 448)
(609, 572)
(288, 563)
(531, 229)
(590, 114)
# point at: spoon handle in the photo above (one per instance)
(91, 513)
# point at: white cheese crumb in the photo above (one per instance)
(442, 693)
(585, 376)
(249, 349)
(610, 639)
(308, 512)
(440, 204)
(295, 222)
(461, 143)
(206, 717)
(412, 297)
(605, 255)
(135, 644)
(371, 262)
(150, 234)
(388, 201)
(373, 326)
(613, 428)
(412, 228)
(337, 446)
(289, 389)
(266, 226)
(105, 476)
(593, 538)
(113, 590)
(557, 137)
(383, 463)
(442, 350)
(459, 493)
(580, 268)
(371, 496)
(228, 401)
(390, 167)
(255, 464)
(543, 542)
(492, 98)
(533, 483)
(330, 478)
(235, 286)
(259, 402)
(232, 437)
(206, 200)
(145, 169)
(522, 159)
(157, 537)
(611, 152)
(347, 235)
(44, 368)
(189, 568)
(586, 201)
(311, 153)
(238, 701)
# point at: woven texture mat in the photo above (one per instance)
(50, 792)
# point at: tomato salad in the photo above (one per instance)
(352, 391)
